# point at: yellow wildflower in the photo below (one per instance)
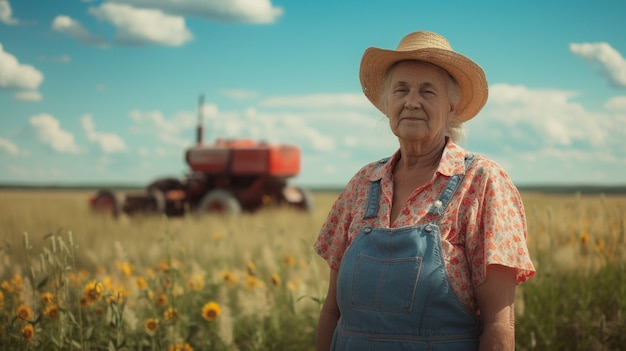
(211, 311)
(252, 282)
(251, 268)
(584, 239)
(48, 298)
(23, 312)
(151, 326)
(142, 283)
(6, 286)
(161, 300)
(170, 314)
(275, 279)
(293, 285)
(229, 277)
(289, 260)
(51, 312)
(125, 268)
(216, 236)
(17, 282)
(195, 282)
(28, 332)
(93, 291)
(180, 347)
(599, 247)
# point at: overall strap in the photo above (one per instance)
(438, 207)
(373, 196)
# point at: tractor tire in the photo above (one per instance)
(106, 202)
(219, 202)
(298, 198)
(158, 198)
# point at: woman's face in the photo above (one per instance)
(418, 106)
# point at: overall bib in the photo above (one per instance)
(393, 288)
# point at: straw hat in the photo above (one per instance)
(432, 48)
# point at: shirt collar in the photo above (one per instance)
(452, 162)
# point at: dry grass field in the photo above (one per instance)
(74, 281)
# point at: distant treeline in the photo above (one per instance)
(548, 189)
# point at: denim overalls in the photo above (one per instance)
(393, 288)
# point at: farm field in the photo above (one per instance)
(70, 280)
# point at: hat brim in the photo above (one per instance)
(470, 76)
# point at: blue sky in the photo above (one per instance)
(106, 91)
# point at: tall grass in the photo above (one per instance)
(73, 281)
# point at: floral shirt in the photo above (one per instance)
(483, 224)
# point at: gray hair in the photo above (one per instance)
(455, 129)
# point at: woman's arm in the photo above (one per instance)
(495, 298)
(329, 315)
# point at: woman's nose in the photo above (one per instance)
(412, 101)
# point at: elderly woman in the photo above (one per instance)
(426, 247)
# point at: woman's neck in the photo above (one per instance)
(415, 155)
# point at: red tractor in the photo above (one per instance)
(228, 176)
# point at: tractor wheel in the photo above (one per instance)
(298, 198)
(107, 203)
(219, 201)
(158, 198)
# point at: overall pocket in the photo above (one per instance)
(384, 284)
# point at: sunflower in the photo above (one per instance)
(229, 278)
(180, 347)
(289, 260)
(211, 311)
(151, 326)
(28, 332)
(142, 283)
(48, 298)
(251, 268)
(93, 291)
(275, 279)
(51, 311)
(195, 282)
(161, 300)
(253, 282)
(170, 314)
(23, 312)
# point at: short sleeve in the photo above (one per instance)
(498, 233)
(332, 240)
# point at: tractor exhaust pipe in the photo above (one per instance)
(200, 127)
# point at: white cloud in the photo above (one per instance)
(616, 103)
(168, 131)
(137, 26)
(49, 132)
(610, 62)
(28, 96)
(74, 29)
(246, 11)
(16, 75)
(6, 13)
(542, 136)
(548, 116)
(108, 142)
(9, 147)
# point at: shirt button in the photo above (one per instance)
(367, 230)
(438, 204)
(428, 228)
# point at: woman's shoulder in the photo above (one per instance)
(485, 170)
